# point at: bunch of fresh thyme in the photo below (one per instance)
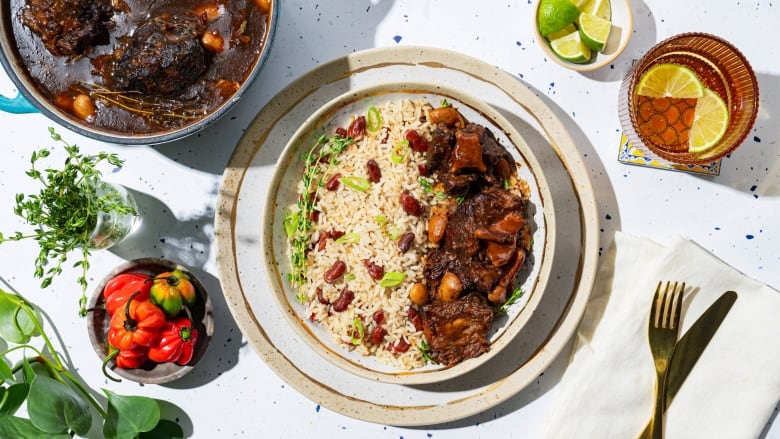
(65, 211)
(298, 224)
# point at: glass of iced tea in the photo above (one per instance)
(662, 126)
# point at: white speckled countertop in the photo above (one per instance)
(232, 393)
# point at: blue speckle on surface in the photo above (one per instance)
(397, 38)
(756, 139)
(518, 43)
(717, 228)
(318, 408)
(749, 236)
(753, 188)
(609, 217)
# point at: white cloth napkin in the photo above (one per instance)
(607, 389)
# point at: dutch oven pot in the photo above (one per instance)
(30, 99)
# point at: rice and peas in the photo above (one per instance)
(343, 218)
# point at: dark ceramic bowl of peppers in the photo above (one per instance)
(150, 321)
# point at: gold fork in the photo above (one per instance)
(663, 328)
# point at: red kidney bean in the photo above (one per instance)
(344, 299)
(416, 141)
(405, 242)
(423, 169)
(378, 334)
(335, 272)
(399, 347)
(336, 234)
(341, 132)
(357, 128)
(378, 316)
(333, 182)
(314, 216)
(376, 271)
(322, 241)
(320, 298)
(374, 173)
(415, 318)
(385, 136)
(410, 204)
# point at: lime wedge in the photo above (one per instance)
(571, 48)
(562, 33)
(670, 81)
(594, 31)
(710, 121)
(599, 8)
(555, 15)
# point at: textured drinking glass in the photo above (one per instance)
(113, 227)
(721, 68)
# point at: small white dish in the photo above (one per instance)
(622, 28)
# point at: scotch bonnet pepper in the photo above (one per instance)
(176, 342)
(138, 324)
(172, 290)
(119, 288)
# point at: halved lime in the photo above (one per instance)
(571, 48)
(555, 15)
(669, 80)
(594, 31)
(710, 121)
(599, 8)
(562, 33)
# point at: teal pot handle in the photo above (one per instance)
(17, 105)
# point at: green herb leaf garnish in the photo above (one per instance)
(392, 279)
(514, 297)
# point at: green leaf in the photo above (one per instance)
(12, 398)
(11, 426)
(165, 429)
(128, 416)
(6, 374)
(15, 324)
(54, 407)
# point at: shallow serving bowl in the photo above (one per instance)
(150, 373)
(619, 36)
(282, 194)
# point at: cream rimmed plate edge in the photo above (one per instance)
(245, 284)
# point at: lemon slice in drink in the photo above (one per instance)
(670, 81)
(599, 8)
(571, 48)
(594, 31)
(710, 121)
(555, 15)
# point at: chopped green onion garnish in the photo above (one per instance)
(393, 233)
(426, 185)
(358, 324)
(350, 276)
(398, 155)
(291, 223)
(357, 183)
(381, 219)
(373, 119)
(392, 279)
(425, 351)
(444, 103)
(351, 238)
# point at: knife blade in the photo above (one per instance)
(691, 345)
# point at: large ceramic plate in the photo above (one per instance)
(246, 284)
(282, 194)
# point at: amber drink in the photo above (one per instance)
(661, 126)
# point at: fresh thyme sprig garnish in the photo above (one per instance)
(516, 295)
(64, 212)
(298, 224)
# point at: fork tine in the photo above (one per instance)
(677, 311)
(655, 308)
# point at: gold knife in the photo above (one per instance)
(690, 347)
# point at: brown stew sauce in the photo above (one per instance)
(233, 35)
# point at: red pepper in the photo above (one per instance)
(120, 287)
(139, 324)
(132, 358)
(176, 342)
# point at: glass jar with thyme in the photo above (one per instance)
(75, 210)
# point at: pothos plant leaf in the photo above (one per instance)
(56, 408)
(128, 416)
(12, 426)
(15, 325)
(12, 397)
